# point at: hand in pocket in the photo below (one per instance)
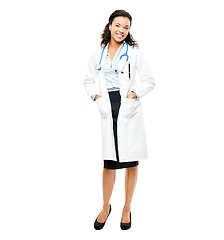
(102, 106)
(130, 107)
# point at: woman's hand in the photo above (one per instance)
(96, 97)
(132, 95)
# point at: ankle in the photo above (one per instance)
(106, 206)
(127, 208)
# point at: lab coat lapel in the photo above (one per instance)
(101, 74)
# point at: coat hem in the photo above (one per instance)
(126, 160)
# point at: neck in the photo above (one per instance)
(114, 44)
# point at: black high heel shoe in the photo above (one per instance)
(99, 226)
(126, 226)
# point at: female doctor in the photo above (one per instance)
(117, 78)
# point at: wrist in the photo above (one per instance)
(132, 95)
(96, 97)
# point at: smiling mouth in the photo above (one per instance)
(119, 35)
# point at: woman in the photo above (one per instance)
(111, 81)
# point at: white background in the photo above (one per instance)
(50, 149)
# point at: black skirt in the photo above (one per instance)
(115, 100)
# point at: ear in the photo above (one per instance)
(110, 27)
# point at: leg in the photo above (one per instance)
(130, 183)
(108, 184)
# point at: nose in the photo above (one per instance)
(121, 30)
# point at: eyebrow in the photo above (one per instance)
(120, 24)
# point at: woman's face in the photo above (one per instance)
(119, 28)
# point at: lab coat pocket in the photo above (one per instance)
(130, 107)
(102, 106)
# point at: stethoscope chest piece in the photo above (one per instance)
(98, 67)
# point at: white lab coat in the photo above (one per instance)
(132, 144)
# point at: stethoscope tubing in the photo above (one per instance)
(98, 66)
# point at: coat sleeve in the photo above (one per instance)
(147, 82)
(90, 78)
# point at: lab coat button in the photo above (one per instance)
(122, 72)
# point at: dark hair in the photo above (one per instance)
(106, 35)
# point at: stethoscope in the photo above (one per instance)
(98, 66)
